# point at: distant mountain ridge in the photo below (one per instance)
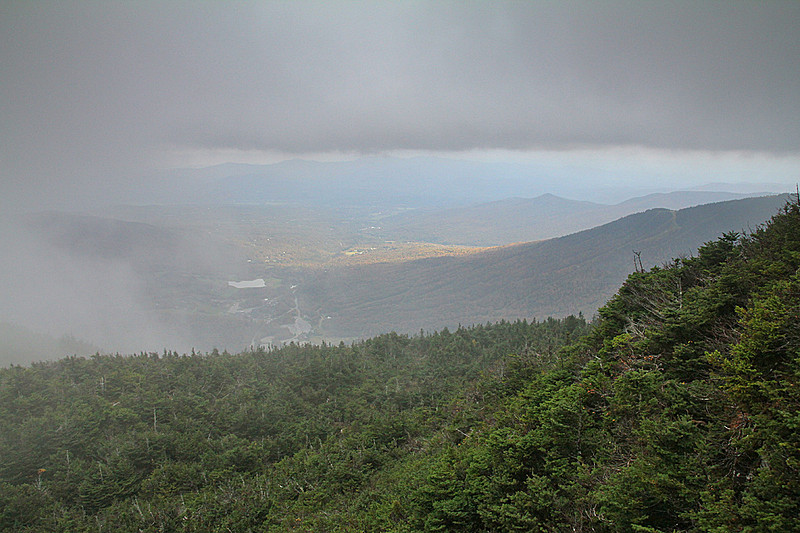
(529, 219)
(117, 283)
(556, 277)
(384, 181)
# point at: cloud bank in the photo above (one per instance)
(95, 92)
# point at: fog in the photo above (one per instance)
(57, 291)
(98, 94)
(105, 281)
(107, 105)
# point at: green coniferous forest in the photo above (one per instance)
(677, 409)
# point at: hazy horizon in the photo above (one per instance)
(403, 105)
(100, 97)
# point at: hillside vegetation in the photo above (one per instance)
(156, 277)
(274, 440)
(527, 219)
(557, 277)
(677, 410)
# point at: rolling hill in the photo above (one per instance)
(557, 277)
(383, 182)
(676, 410)
(127, 286)
(528, 219)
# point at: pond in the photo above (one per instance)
(252, 284)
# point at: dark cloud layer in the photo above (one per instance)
(92, 90)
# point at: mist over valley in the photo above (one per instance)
(399, 266)
(238, 276)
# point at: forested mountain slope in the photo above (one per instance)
(571, 274)
(528, 219)
(261, 441)
(679, 411)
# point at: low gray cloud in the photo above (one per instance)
(92, 91)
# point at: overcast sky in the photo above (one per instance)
(93, 94)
